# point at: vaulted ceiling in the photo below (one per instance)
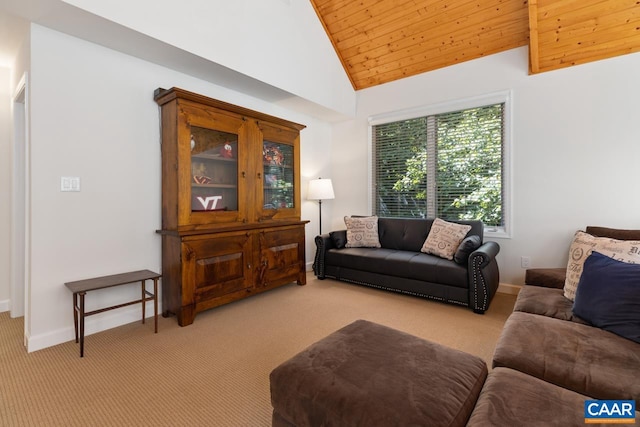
(379, 41)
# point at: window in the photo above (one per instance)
(451, 164)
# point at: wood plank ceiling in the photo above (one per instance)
(571, 32)
(379, 41)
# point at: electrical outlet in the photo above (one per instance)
(525, 262)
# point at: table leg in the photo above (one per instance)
(144, 303)
(81, 315)
(75, 314)
(155, 303)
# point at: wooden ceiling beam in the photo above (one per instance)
(578, 31)
(534, 54)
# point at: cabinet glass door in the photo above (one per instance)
(214, 170)
(278, 173)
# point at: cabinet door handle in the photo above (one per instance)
(244, 174)
(259, 175)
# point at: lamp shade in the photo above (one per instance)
(320, 189)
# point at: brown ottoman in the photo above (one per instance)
(367, 374)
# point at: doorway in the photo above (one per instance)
(20, 198)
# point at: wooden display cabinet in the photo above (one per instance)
(231, 223)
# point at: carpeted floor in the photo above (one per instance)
(214, 372)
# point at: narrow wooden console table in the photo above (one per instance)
(81, 287)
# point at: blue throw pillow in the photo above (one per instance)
(608, 295)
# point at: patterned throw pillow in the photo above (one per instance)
(362, 232)
(582, 246)
(444, 238)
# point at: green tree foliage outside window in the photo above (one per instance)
(447, 165)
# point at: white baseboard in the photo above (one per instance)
(4, 305)
(92, 325)
(507, 288)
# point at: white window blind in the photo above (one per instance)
(447, 165)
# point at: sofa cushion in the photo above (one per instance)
(582, 358)
(608, 295)
(444, 238)
(549, 302)
(511, 398)
(437, 270)
(362, 232)
(582, 246)
(358, 258)
(468, 245)
(403, 234)
(406, 264)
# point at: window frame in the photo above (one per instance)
(505, 97)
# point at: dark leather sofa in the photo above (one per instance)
(398, 265)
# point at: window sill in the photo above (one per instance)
(496, 233)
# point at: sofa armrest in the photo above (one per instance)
(484, 276)
(323, 244)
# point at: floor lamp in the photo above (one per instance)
(320, 189)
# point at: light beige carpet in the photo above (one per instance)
(214, 372)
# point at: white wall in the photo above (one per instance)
(278, 42)
(93, 116)
(575, 147)
(5, 186)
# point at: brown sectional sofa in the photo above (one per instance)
(544, 339)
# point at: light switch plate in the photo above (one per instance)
(69, 183)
